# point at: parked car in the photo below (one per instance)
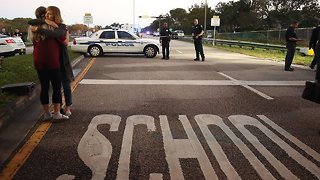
(180, 33)
(156, 34)
(9, 46)
(115, 41)
(174, 35)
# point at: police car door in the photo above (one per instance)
(127, 43)
(108, 42)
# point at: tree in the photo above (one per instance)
(247, 15)
(78, 29)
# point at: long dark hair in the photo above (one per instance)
(40, 12)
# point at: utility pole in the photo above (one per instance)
(205, 17)
(134, 15)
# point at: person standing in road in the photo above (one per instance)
(46, 57)
(4, 32)
(197, 33)
(317, 52)
(313, 44)
(65, 66)
(291, 40)
(165, 37)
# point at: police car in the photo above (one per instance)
(9, 46)
(115, 41)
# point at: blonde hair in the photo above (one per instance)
(56, 14)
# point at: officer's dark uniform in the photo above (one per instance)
(313, 44)
(291, 47)
(196, 30)
(165, 34)
(19, 34)
(7, 34)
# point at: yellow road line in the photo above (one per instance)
(23, 154)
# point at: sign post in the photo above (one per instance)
(215, 22)
(88, 19)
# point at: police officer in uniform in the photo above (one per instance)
(4, 32)
(165, 37)
(17, 33)
(291, 39)
(313, 43)
(197, 33)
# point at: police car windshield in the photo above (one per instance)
(135, 36)
(93, 35)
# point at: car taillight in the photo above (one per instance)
(74, 42)
(10, 41)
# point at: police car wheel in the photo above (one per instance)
(95, 51)
(150, 52)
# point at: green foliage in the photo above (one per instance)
(274, 55)
(246, 15)
(18, 69)
(16, 23)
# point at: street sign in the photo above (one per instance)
(215, 21)
(87, 18)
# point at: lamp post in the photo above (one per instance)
(205, 17)
(134, 15)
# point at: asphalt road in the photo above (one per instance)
(232, 116)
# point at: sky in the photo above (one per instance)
(104, 12)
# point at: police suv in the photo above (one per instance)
(115, 41)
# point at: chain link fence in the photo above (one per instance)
(270, 36)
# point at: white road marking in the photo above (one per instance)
(247, 87)
(65, 177)
(158, 82)
(293, 139)
(194, 149)
(156, 176)
(204, 120)
(192, 82)
(215, 147)
(179, 51)
(94, 148)
(241, 122)
(124, 160)
(272, 83)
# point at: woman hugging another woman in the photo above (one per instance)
(50, 56)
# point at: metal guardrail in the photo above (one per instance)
(251, 45)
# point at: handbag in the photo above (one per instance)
(311, 92)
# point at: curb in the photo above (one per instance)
(22, 102)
